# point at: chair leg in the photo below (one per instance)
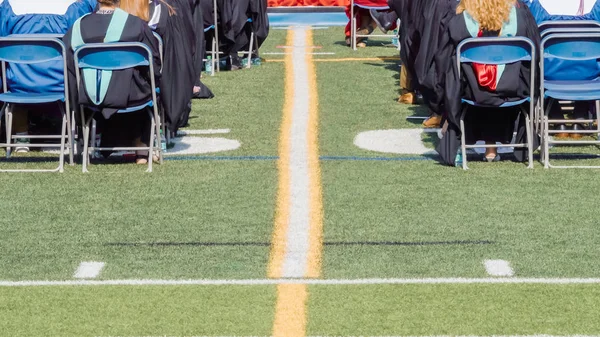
(67, 116)
(63, 134)
(8, 121)
(214, 55)
(85, 156)
(251, 45)
(546, 145)
(156, 118)
(463, 140)
(528, 128)
(598, 117)
(151, 145)
(353, 30)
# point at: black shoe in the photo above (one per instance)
(382, 20)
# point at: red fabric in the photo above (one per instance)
(358, 11)
(486, 73)
(278, 3)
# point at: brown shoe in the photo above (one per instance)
(407, 98)
(435, 121)
(562, 135)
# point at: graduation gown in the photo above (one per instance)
(541, 14)
(511, 84)
(127, 88)
(183, 41)
(233, 17)
(44, 17)
(260, 20)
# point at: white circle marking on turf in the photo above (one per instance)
(202, 145)
(401, 141)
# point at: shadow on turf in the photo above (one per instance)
(266, 244)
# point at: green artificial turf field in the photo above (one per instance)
(388, 216)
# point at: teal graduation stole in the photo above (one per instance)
(97, 81)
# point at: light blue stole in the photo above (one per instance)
(97, 81)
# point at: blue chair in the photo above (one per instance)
(33, 49)
(573, 48)
(353, 25)
(548, 27)
(114, 57)
(498, 51)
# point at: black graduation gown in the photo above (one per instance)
(207, 12)
(482, 122)
(183, 53)
(127, 88)
(233, 17)
(423, 23)
(260, 20)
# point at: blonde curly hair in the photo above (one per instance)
(491, 14)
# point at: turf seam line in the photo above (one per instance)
(317, 282)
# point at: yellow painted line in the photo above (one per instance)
(316, 194)
(291, 308)
(282, 212)
(290, 311)
(349, 59)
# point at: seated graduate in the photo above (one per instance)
(37, 17)
(557, 10)
(365, 23)
(234, 28)
(488, 85)
(178, 22)
(552, 10)
(126, 88)
(423, 24)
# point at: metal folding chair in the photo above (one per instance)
(214, 50)
(573, 47)
(545, 26)
(353, 24)
(114, 57)
(33, 49)
(499, 51)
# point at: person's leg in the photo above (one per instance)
(20, 127)
(407, 95)
(141, 138)
(386, 21)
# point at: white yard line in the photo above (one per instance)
(298, 237)
(499, 268)
(88, 270)
(333, 282)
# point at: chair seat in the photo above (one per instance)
(30, 98)
(504, 105)
(570, 95)
(136, 108)
(593, 85)
(379, 8)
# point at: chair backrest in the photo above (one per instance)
(498, 51)
(30, 49)
(571, 56)
(568, 24)
(113, 56)
(495, 50)
(160, 46)
(109, 57)
(569, 29)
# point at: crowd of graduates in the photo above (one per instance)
(430, 32)
(186, 29)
